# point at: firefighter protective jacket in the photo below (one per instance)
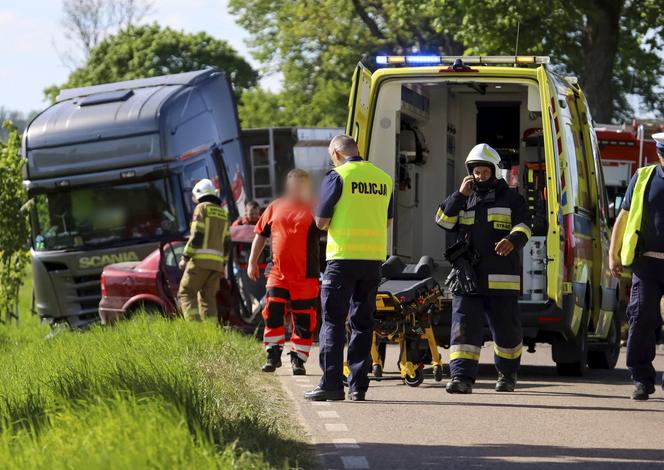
(484, 219)
(209, 229)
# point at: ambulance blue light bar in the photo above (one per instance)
(467, 60)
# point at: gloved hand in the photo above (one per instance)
(461, 279)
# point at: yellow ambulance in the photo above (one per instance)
(417, 117)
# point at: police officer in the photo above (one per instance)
(204, 257)
(493, 218)
(355, 208)
(638, 240)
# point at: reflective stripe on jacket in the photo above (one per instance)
(486, 219)
(206, 244)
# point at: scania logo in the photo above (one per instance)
(86, 262)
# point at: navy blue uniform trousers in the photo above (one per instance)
(645, 320)
(468, 314)
(348, 293)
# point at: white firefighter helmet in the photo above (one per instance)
(486, 155)
(203, 188)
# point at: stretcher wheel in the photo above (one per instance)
(377, 370)
(417, 380)
(437, 373)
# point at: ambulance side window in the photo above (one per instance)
(579, 166)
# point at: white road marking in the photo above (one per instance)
(336, 427)
(328, 414)
(355, 462)
(304, 385)
(301, 379)
(320, 403)
(345, 443)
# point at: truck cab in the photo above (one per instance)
(417, 117)
(109, 172)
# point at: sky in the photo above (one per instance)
(30, 30)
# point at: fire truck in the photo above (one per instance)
(623, 149)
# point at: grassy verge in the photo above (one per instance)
(146, 393)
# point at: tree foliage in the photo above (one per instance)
(148, 51)
(611, 45)
(317, 48)
(13, 223)
(19, 120)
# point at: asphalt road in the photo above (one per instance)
(549, 421)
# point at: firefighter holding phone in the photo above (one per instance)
(492, 224)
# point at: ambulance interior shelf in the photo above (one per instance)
(534, 191)
(534, 180)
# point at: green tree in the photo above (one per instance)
(13, 223)
(611, 45)
(263, 108)
(316, 47)
(148, 51)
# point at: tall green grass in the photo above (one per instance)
(145, 393)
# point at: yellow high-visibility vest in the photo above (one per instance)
(635, 215)
(358, 229)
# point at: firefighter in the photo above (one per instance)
(638, 240)
(292, 280)
(204, 257)
(493, 219)
(355, 208)
(252, 212)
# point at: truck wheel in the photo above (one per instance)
(607, 358)
(571, 356)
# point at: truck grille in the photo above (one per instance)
(88, 291)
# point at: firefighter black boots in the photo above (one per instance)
(297, 364)
(642, 391)
(273, 359)
(506, 383)
(459, 384)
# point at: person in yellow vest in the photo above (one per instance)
(638, 241)
(204, 256)
(355, 208)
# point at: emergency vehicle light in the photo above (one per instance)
(467, 60)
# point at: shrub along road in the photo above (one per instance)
(550, 421)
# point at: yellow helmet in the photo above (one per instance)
(484, 154)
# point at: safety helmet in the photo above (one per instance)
(659, 142)
(204, 188)
(483, 154)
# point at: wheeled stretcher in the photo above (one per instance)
(405, 302)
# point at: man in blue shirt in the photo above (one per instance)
(638, 240)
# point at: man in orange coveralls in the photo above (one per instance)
(292, 282)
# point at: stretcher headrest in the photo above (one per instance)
(395, 268)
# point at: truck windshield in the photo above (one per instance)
(107, 215)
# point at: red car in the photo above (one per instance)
(152, 285)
